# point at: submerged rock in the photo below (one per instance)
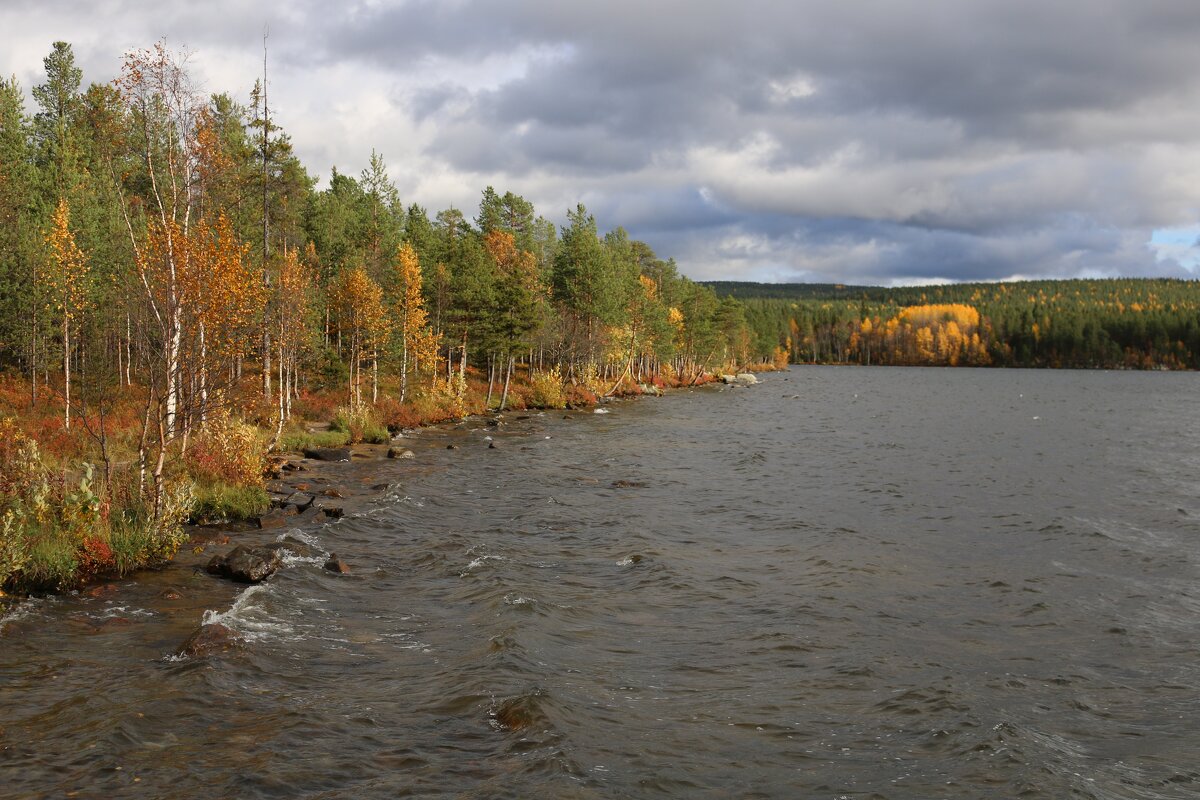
(335, 564)
(276, 518)
(328, 453)
(208, 639)
(628, 485)
(246, 564)
(301, 501)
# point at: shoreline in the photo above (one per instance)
(346, 488)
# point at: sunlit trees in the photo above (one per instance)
(63, 278)
(418, 345)
(584, 287)
(291, 308)
(518, 299)
(358, 302)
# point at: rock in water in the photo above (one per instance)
(397, 452)
(246, 564)
(328, 453)
(335, 564)
(208, 639)
(745, 379)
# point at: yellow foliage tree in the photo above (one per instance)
(64, 276)
(359, 304)
(418, 344)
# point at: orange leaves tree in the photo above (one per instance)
(291, 308)
(63, 277)
(418, 344)
(223, 301)
(163, 108)
(358, 301)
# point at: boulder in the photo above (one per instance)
(301, 501)
(208, 639)
(335, 564)
(246, 564)
(492, 446)
(328, 453)
(275, 518)
(745, 379)
(399, 452)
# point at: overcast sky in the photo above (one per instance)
(855, 141)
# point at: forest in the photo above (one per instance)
(1114, 323)
(178, 298)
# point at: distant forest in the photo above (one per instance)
(1095, 324)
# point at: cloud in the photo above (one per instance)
(855, 141)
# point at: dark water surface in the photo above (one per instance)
(863, 583)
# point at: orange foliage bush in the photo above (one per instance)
(578, 396)
(317, 405)
(228, 451)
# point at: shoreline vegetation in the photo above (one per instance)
(178, 300)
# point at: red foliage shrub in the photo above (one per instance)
(579, 396)
(317, 405)
(95, 556)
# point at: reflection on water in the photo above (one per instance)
(880, 583)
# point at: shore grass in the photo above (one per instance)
(221, 502)
(295, 441)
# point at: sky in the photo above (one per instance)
(882, 142)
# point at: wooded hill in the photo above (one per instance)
(1109, 323)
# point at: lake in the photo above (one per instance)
(843, 582)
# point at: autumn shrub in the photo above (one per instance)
(316, 405)
(591, 380)
(361, 425)
(227, 451)
(397, 416)
(14, 547)
(21, 467)
(138, 538)
(60, 529)
(578, 396)
(546, 390)
(433, 408)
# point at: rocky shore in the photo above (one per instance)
(309, 490)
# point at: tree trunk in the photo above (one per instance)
(487, 403)
(507, 381)
(66, 372)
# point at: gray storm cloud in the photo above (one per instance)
(853, 141)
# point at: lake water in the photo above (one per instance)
(844, 582)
